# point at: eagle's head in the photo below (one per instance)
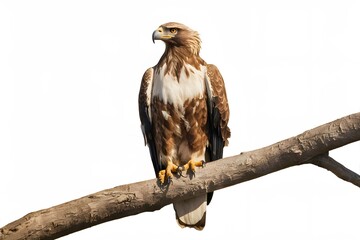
(178, 35)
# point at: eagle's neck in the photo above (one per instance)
(179, 76)
(175, 58)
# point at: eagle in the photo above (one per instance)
(184, 114)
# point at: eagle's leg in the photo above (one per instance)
(166, 174)
(192, 164)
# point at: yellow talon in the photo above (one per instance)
(162, 176)
(167, 173)
(192, 164)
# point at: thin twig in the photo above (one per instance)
(336, 168)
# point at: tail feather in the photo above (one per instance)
(191, 212)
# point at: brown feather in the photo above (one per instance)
(177, 128)
(221, 102)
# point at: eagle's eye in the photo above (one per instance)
(173, 30)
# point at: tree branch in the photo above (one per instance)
(336, 168)
(148, 195)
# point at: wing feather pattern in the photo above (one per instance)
(218, 116)
(145, 116)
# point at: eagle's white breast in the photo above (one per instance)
(176, 92)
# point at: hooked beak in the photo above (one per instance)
(154, 36)
(158, 34)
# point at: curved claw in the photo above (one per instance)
(169, 180)
(180, 171)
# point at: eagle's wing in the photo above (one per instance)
(219, 131)
(145, 116)
(218, 115)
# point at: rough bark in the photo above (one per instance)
(309, 147)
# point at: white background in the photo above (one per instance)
(70, 73)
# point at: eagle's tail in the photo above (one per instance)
(191, 212)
